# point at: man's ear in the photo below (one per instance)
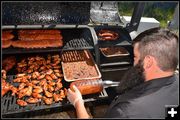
(148, 62)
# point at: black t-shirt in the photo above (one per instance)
(147, 100)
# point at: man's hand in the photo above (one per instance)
(75, 96)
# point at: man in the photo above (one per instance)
(148, 86)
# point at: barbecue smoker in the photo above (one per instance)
(80, 24)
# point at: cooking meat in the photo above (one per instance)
(39, 37)
(78, 69)
(115, 51)
(33, 100)
(6, 43)
(37, 44)
(36, 95)
(57, 97)
(107, 35)
(14, 90)
(7, 36)
(48, 94)
(39, 32)
(37, 85)
(5, 87)
(47, 101)
(37, 89)
(21, 102)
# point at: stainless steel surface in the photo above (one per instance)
(108, 83)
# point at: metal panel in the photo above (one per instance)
(41, 13)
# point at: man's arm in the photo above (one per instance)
(76, 99)
(81, 110)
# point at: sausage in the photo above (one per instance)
(7, 36)
(107, 35)
(40, 37)
(37, 43)
(87, 86)
(6, 43)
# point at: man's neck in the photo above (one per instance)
(157, 74)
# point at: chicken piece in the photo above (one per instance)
(36, 95)
(3, 73)
(48, 77)
(14, 90)
(29, 91)
(8, 63)
(35, 82)
(47, 101)
(5, 87)
(17, 79)
(45, 87)
(21, 86)
(41, 76)
(59, 80)
(29, 84)
(50, 71)
(43, 68)
(21, 102)
(53, 76)
(62, 94)
(50, 88)
(43, 81)
(20, 75)
(57, 67)
(48, 61)
(33, 100)
(49, 67)
(65, 91)
(30, 71)
(48, 94)
(22, 92)
(57, 71)
(57, 97)
(37, 89)
(51, 83)
(24, 79)
(58, 74)
(59, 85)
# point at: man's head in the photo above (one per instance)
(155, 56)
(158, 50)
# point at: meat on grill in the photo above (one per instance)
(37, 43)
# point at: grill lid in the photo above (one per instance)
(43, 13)
(105, 12)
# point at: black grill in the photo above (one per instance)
(73, 39)
(9, 106)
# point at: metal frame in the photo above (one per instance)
(136, 17)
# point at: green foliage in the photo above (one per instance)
(161, 13)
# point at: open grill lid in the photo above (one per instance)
(45, 13)
(105, 12)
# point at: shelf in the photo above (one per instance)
(114, 64)
(12, 50)
(110, 43)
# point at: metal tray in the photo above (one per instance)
(115, 55)
(74, 57)
(124, 38)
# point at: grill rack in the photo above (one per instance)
(73, 39)
(9, 106)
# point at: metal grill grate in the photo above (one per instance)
(10, 107)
